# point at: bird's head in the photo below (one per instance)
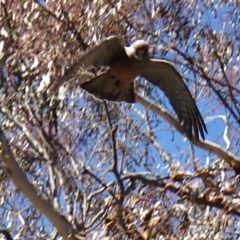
(139, 50)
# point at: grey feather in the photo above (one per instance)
(163, 75)
(100, 55)
(104, 86)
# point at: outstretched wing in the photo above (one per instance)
(100, 55)
(163, 74)
(103, 53)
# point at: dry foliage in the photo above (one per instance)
(75, 167)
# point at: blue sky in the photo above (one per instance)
(179, 150)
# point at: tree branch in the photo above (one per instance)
(115, 158)
(38, 200)
(230, 158)
(184, 193)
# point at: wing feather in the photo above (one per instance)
(100, 55)
(104, 86)
(103, 53)
(164, 75)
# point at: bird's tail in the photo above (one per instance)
(105, 87)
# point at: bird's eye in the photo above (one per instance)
(142, 52)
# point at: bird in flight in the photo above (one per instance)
(124, 65)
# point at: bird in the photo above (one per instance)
(125, 64)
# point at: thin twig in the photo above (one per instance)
(106, 187)
(115, 158)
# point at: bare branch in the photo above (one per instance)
(115, 159)
(38, 200)
(206, 145)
